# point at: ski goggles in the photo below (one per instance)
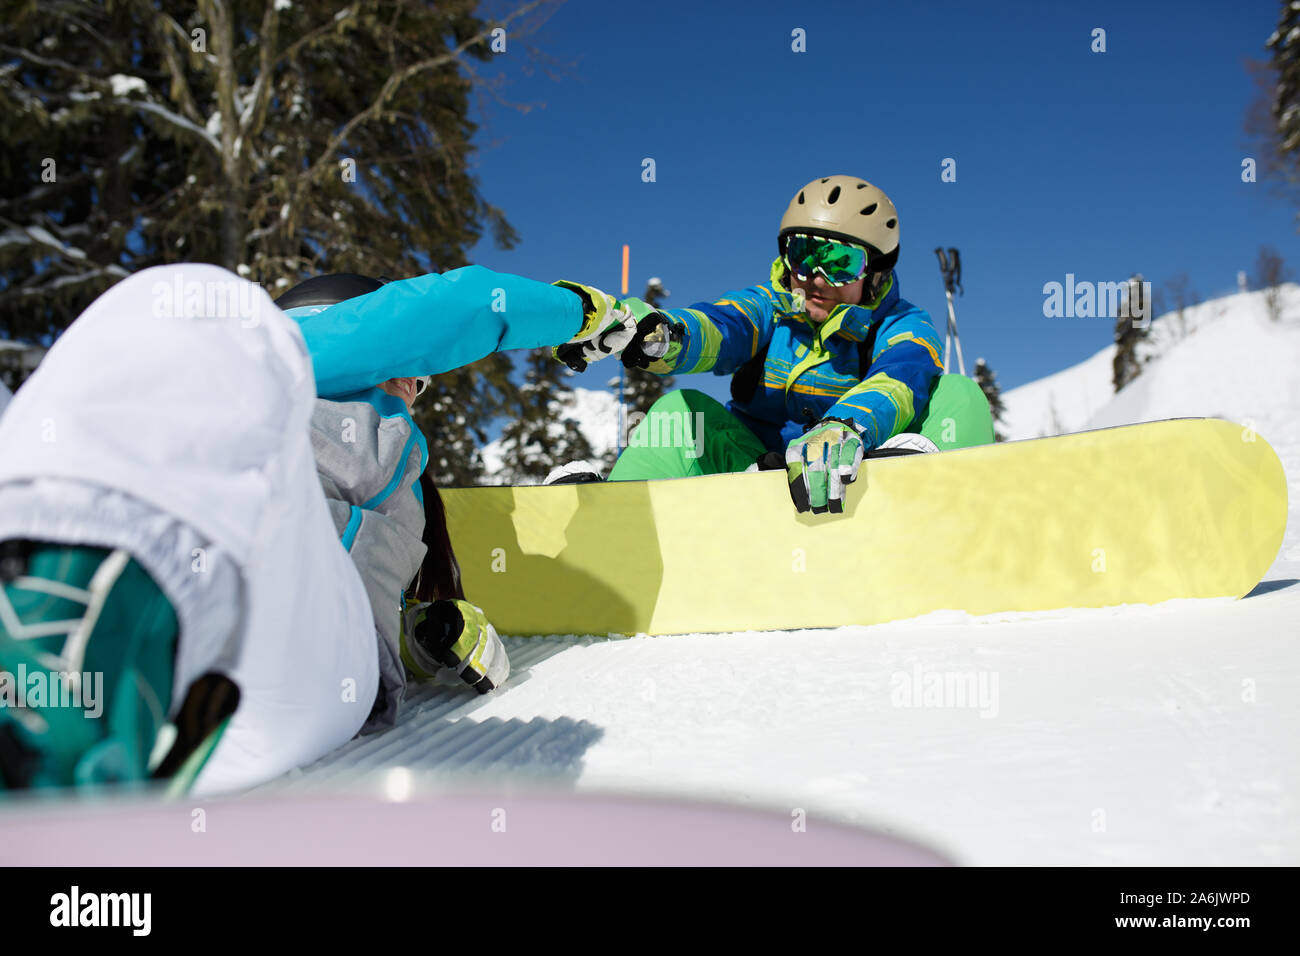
(839, 263)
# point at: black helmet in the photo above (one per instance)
(327, 290)
(334, 288)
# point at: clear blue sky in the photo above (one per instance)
(1099, 164)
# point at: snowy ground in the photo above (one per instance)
(1134, 735)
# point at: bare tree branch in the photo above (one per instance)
(180, 87)
(393, 84)
(310, 37)
(41, 60)
(175, 119)
(264, 85)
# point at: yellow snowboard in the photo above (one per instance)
(1139, 514)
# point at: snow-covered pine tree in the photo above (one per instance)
(453, 412)
(79, 177)
(1129, 333)
(987, 380)
(539, 436)
(280, 140)
(1284, 47)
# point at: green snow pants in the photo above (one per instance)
(688, 433)
(958, 415)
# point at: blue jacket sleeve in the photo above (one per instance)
(721, 336)
(896, 389)
(430, 324)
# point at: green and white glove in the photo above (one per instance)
(453, 634)
(821, 463)
(606, 328)
(657, 342)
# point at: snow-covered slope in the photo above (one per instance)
(1134, 735)
(1073, 398)
(1061, 402)
(1239, 365)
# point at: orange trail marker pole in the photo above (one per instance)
(621, 379)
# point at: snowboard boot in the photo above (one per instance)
(905, 443)
(768, 461)
(573, 473)
(87, 661)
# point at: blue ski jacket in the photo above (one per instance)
(813, 372)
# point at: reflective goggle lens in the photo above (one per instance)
(839, 263)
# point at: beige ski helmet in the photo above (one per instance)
(848, 208)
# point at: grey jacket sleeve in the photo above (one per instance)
(369, 466)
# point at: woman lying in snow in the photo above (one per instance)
(175, 602)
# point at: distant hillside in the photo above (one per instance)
(1224, 359)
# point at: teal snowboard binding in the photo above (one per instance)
(87, 655)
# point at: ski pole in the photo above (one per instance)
(950, 267)
(622, 407)
(953, 339)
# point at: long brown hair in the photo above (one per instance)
(439, 574)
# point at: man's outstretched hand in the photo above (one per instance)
(655, 345)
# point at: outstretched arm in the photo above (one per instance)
(430, 324)
(709, 336)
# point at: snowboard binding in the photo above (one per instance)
(87, 651)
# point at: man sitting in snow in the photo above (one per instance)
(827, 360)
